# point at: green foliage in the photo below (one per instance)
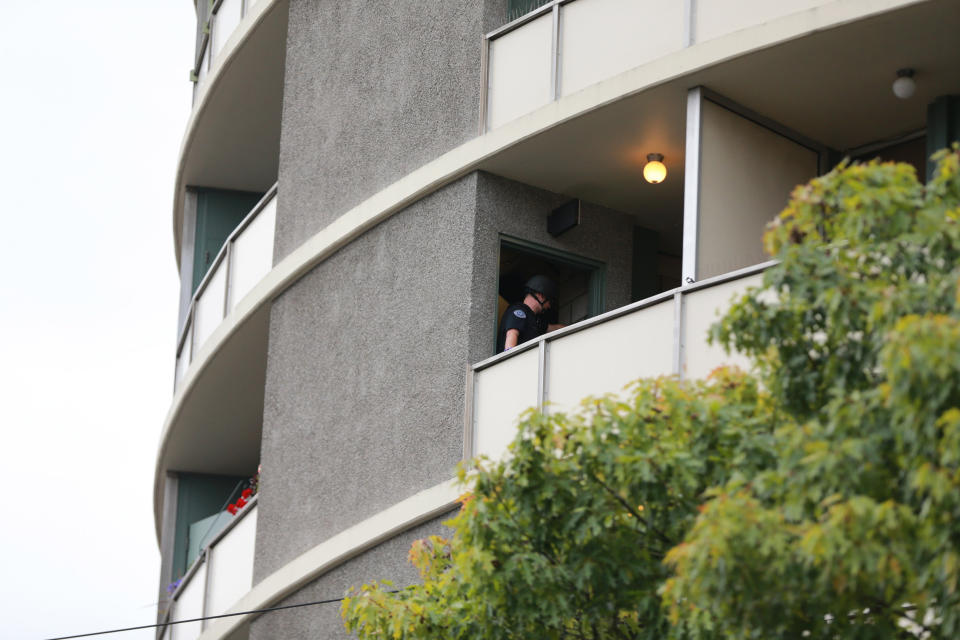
(857, 335)
(820, 498)
(568, 537)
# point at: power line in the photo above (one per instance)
(224, 615)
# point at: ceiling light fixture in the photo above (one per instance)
(654, 171)
(904, 86)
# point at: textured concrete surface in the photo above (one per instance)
(373, 90)
(505, 207)
(364, 396)
(365, 376)
(385, 562)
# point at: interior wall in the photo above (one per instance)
(747, 173)
(912, 152)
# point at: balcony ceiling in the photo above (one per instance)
(832, 86)
(218, 429)
(237, 139)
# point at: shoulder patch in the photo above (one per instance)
(519, 313)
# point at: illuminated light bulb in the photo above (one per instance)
(654, 171)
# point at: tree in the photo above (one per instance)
(857, 337)
(568, 537)
(817, 497)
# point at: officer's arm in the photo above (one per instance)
(513, 336)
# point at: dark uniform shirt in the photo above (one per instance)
(519, 317)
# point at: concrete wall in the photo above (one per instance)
(388, 561)
(364, 395)
(373, 90)
(746, 175)
(365, 376)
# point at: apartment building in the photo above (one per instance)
(361, 189)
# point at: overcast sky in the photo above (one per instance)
(95, 98)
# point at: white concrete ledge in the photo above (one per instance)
(347, 544)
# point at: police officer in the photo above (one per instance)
(526, 320)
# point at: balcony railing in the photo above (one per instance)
(225, 17)
(662, 335)
(217, 579)
(567, 45)
(244, 259)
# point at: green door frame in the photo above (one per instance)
(597, 269)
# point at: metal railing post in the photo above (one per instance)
(679, 334)
(227, 265)
(555, 54)
(542, 376)
(469, 419)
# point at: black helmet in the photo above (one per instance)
(545, 286)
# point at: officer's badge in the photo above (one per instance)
(519, 313)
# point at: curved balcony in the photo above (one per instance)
(578, 92)
(220, 577)
(565, 46)
(214, 423)
(225, 19)
(232, 139)
(246, 257)
(662, 335)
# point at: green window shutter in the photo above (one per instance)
(943, 126)
(517, 8)
(218, 214)
(198, 496)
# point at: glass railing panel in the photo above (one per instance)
(252, 253)
(225, 21)
(747, 172)
(183, 360)
(604, 354)
(714, 19)
(501, 393)
(204, 531)
(189, 604)
(702, 309)
(231, 564)
(519, 79)
(602, 38)
(605, 357)
(209, 306)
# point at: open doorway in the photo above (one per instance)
(580, 280)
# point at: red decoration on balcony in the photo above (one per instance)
(232, 508)
(246, 493)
